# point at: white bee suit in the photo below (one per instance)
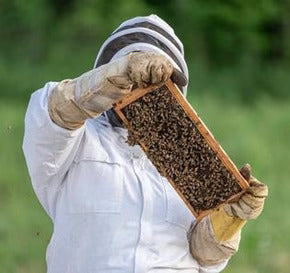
(111, 209)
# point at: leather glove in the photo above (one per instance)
(216, 237)
(251, 203)
(151, 68)
(73, 101)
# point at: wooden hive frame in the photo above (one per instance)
(207, 135)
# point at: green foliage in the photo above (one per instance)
(225, 31)
(241, 46)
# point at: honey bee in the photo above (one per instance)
(178, 150)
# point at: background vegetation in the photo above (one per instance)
(238, 52)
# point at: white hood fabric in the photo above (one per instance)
(148, 33)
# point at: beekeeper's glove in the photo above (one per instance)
(216, 237)
(73, 101)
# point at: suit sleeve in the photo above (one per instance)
(49, 150)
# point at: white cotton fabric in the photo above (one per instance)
(112, 211)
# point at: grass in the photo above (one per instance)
(24, 228)
(258, 134)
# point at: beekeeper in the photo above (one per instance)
(112, 211)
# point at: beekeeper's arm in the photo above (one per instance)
(73, 101)
(216, 237)
(56, 113)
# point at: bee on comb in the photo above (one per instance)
(181, 147)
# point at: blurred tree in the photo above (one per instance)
(61, 7)
(244, 35)
(23, 27)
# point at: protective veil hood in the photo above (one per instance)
(148, 33)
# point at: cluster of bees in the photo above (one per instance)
(178, 150)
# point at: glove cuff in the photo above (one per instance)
(62, 108)
(206, 244)
(224, 225)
